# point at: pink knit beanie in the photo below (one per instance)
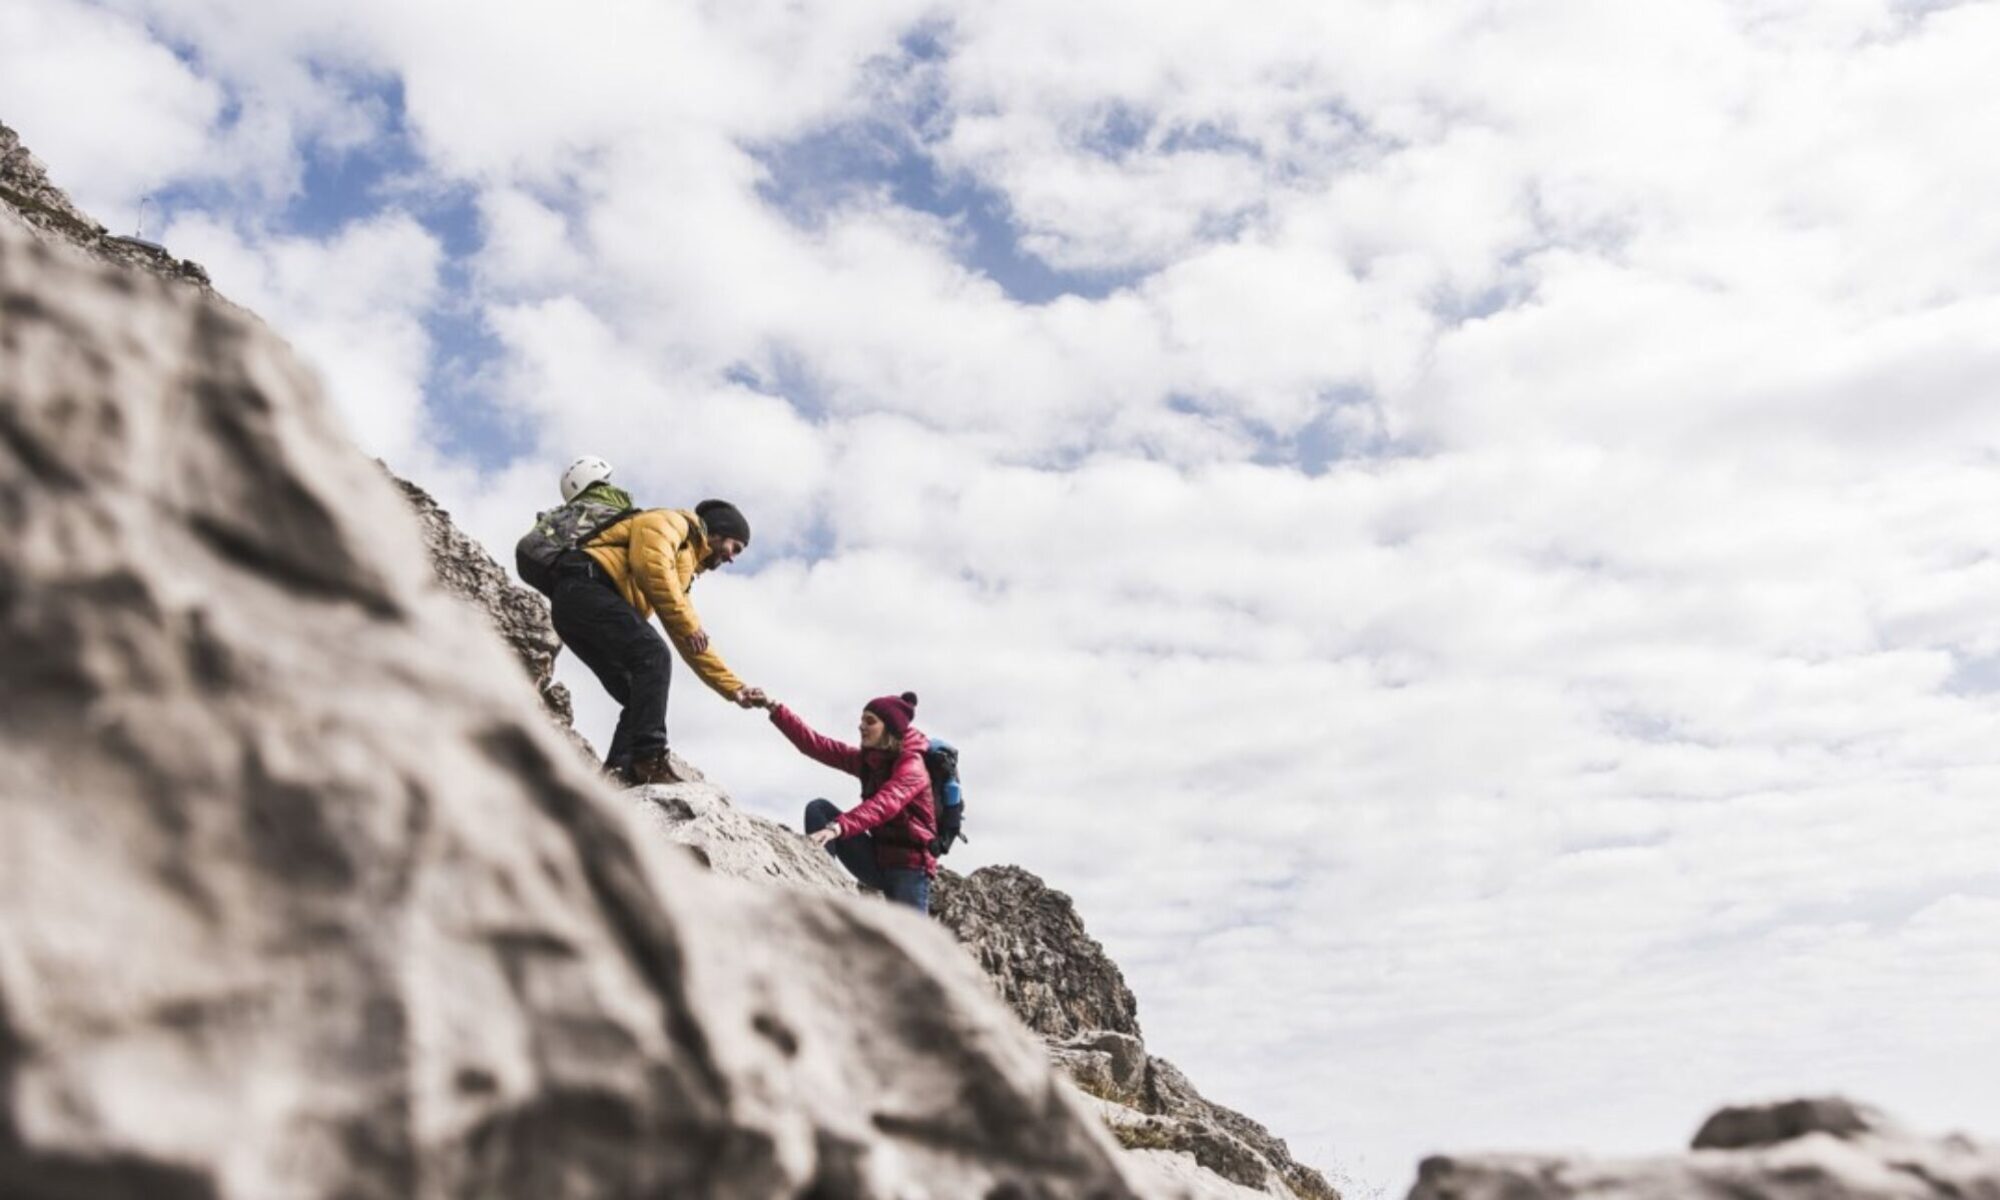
(895, 711)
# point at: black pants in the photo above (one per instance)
(622, 649)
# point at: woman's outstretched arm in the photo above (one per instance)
(814, 745)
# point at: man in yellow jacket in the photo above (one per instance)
(641, 567)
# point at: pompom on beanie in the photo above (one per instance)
(894, 711)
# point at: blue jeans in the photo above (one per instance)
(857, 854)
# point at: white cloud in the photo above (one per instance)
(1497, 603)
(143, 118)
(530, 246)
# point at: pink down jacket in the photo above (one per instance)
(896, 804)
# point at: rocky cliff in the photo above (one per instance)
(301, 893)
(1030, 940)
(519, 615)
(25, 191)
(1818, 1149)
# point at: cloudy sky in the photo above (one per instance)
(1463, 534)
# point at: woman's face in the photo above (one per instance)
(872, 729)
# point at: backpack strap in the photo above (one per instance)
(584, 539)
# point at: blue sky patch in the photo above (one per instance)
(1973, 675)
(1329, 438)
(784, 374)
(888, 155)
(810, 179)
(1122, 130)
(341, 185)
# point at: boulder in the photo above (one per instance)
(1029, 939)
(1169, 1094)
(1795, 1150)
(700, 816)
(1107, 1064)
(1743, 1126)
(1172, 1173)
(1206, 1144)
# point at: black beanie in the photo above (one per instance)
(722, 520)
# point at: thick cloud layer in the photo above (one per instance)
(1461, 534)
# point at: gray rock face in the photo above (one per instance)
(461, 564)
(1173, 1173)
(1738, 1128)
(520, 614)
(721, 836)
(1180, 1146)
(301, 894)
(1029, 939)
(1224, 1140)
(25, 189)
(1797, 1150)
(1108, 1065)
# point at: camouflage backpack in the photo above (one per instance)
(565, 528)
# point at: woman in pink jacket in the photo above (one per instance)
(886, 839)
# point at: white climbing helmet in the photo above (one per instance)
(582, 473)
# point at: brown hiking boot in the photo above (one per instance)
(655, 768)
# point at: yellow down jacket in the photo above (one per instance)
(652, 559)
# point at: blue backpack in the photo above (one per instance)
(941, 761)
